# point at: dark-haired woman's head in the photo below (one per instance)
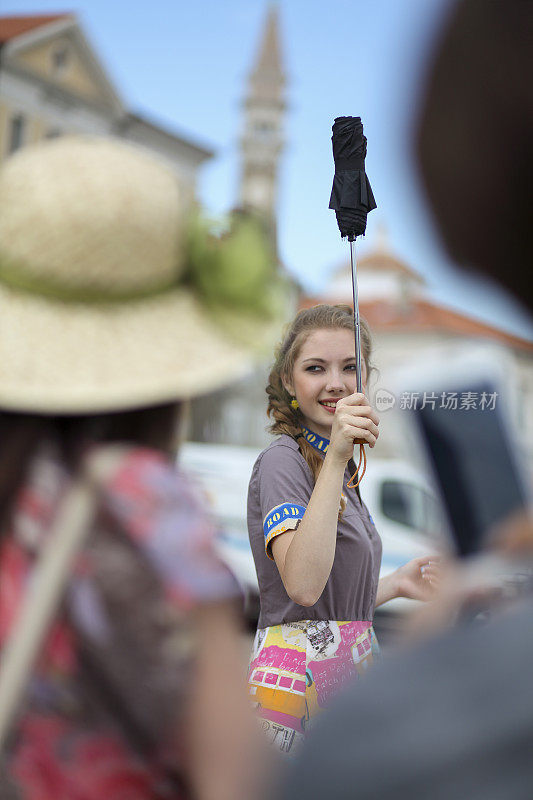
(475, 140)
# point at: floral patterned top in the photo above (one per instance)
(101, 714)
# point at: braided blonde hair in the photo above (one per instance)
(286, 419)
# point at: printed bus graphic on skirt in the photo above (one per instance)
(277, 679)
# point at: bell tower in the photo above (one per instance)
(262, 141)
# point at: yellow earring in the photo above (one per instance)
(294, 403)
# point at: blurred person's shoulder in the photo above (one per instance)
(168, 519)
(147, 484)
(143, 470)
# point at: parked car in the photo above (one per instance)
(398, 497)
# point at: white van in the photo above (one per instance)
(398, 497)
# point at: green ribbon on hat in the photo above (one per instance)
(235, 270)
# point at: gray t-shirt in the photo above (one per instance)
(279, 491)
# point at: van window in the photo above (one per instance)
(410, 505)
(395, 502)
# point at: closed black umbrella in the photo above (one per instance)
(351, 199)
(351, 196)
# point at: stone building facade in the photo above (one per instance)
(52, 83)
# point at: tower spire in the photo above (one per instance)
(262, 142)
(268, 75)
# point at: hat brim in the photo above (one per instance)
(60, 358)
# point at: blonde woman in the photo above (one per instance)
(315, 546)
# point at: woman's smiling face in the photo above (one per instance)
(323, 373)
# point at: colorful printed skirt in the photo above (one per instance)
(296, 668)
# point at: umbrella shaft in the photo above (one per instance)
(357, 330)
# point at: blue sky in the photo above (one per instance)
(185, 65)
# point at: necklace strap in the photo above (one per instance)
(319, 443)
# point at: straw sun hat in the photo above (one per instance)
(108, 298)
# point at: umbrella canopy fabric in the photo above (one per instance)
(351, 196)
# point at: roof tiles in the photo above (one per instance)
(11, 27)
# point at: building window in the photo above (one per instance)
(60, 58)
(16, 133)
